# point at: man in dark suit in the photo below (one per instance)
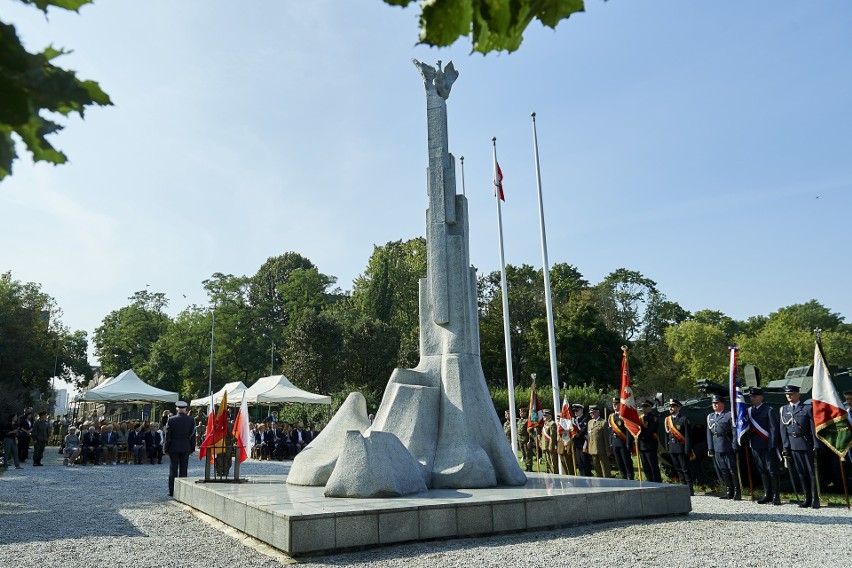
(300, 437)
(91, 444)
(179, 443)
(154, 444)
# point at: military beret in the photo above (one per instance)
(755, 390)
(790, 388)
(674, 402)
(717, 398)
(181, 404)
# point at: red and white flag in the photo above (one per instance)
(241, 431)
(498, 181)
(627, 408)
(831, 424)
(566, 421)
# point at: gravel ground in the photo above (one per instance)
(122, 516)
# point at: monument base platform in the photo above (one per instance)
(302, 521)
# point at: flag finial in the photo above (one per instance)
(625, 349)
(533, 115)
(818, 333)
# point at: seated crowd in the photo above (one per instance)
(280, 440)
(96, 441)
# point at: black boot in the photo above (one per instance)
(726, 480)
(767, 490)
(806, 488)
(776, 490)
(815, 492)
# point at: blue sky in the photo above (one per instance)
(706, 145)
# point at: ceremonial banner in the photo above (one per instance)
(627, 407)
(739, 414)
(211, 412)
(830, 417)
(216, 439)
(566, 428)
(536, 416)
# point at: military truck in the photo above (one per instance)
(697, 410)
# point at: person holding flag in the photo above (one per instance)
(649, 444)
(581, 440)
(179, 443)
(764, 440)
(628, 415)
(722, 447)
(535, 420)
(621, 442)
(679, 443)
(565, 432)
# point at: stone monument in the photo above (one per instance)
(440, 411)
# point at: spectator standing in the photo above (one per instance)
(63, 431)
(10, 442)
(179, 443)
(25, 425)
(40, 435)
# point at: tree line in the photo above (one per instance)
(289, 318)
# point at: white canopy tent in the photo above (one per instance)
(235, 392)
(277, 389)
(127, 387)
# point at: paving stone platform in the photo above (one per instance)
(302, 521)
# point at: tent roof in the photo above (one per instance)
(127, 387)
(277, 389)
(235, 392)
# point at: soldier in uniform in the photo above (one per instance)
(722, 446)
(763, 440)
(797, 437)
(524, 440)
(580, 440)
(648, 443)
(621, 442)
(179, 443)
(598, 447)
(507, 426)
(565, 451)
(679, 442)
(548, 442)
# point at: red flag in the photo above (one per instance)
(627, 408)
(216, 437)
(211, 413)
(498, 182)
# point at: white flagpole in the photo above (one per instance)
(551, 334)
(212, 332)
(510, 379)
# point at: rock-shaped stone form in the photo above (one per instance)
(441, 410)
(314, 464)
(375, 465)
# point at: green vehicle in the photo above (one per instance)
(697, 410)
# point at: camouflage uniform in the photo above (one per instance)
(548, 444)
(525, 443)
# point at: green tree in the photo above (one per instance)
(312, 356)
(493, 25)
(388, 291)
(34, 342)
(32, 88)
(701, 349)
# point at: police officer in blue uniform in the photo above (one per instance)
(763, 440)
(679, 442)
(722, 446)
(621, 442)
(797, 437)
